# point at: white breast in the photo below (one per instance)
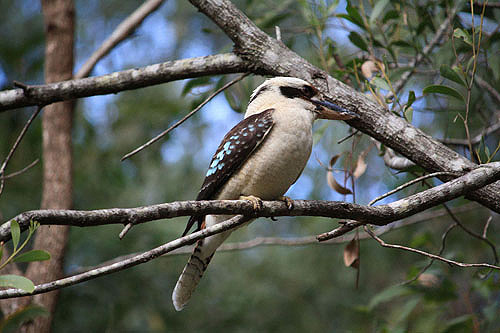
(278, 161)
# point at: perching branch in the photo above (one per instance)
(381, 215)
(378, 215)
(300, 241)
(226, 63)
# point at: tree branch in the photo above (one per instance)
(378, 215)
(122, 31)
(272, 57)
(382, 214)
(124, 80)
(134, 261)
(298, 241)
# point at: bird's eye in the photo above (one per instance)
(308, 91)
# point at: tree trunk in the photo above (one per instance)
(57, 154)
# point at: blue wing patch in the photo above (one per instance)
(236, 147)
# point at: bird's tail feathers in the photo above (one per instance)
(194, 269)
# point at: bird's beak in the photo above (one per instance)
(329, 110)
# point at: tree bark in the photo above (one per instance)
(57, 154)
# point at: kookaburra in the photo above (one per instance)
(260, 158)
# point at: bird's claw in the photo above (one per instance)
(288, 201)
(257, 202)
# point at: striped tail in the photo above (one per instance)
(194, 269)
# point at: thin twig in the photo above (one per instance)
(278, 32)
(16, 144)
(472, 233)
(429, 264)
(162, 134)
(411, 182)
(17, 173)
(348, 136)
(122, 31)
(125, 229)
(430, 255)
(467, 230)
(486, 225)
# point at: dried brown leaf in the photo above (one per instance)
(333, 160)
(360, 166)
(351, 254)
(336, 186)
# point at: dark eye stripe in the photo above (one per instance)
(292, 92)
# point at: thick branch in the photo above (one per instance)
(272, 57)
(378, 215)
(125, 80)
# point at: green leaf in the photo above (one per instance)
(445, 90)
(17, 281)
(450, 74)
(401, 43)
(487, 152)
(33, 255)
(191, 84)
(408, 113)
(13, 322)
(377, 10)
(408, 110)
(15, 231)
(357, 40)
(354, 15)
(380, 83)
(411, 98)
(462, 34)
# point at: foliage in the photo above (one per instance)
(13, 321)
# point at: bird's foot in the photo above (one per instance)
(288, 201)
(257, 202)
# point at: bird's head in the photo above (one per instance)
(291, 92)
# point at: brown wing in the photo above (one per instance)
(236, 147)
